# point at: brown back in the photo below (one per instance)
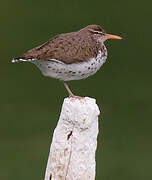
(68, 48)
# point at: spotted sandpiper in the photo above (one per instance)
(70, 56)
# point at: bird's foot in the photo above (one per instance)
(75, 97)
(71, 95)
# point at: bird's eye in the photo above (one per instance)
(96, 32)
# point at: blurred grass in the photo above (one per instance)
(30, 103)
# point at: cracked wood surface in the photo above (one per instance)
(74, 143)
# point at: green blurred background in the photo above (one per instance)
(30, 103)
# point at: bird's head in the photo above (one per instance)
(98, 33)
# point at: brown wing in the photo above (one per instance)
(68, 48)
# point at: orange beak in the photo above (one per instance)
(110, 36)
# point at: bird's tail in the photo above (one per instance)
(14, 60)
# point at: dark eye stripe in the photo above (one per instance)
(96, 32)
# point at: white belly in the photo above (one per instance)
(66, 72)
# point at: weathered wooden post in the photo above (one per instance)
(74, 143)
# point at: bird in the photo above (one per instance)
(70, 56)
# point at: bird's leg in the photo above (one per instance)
(69, 91)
